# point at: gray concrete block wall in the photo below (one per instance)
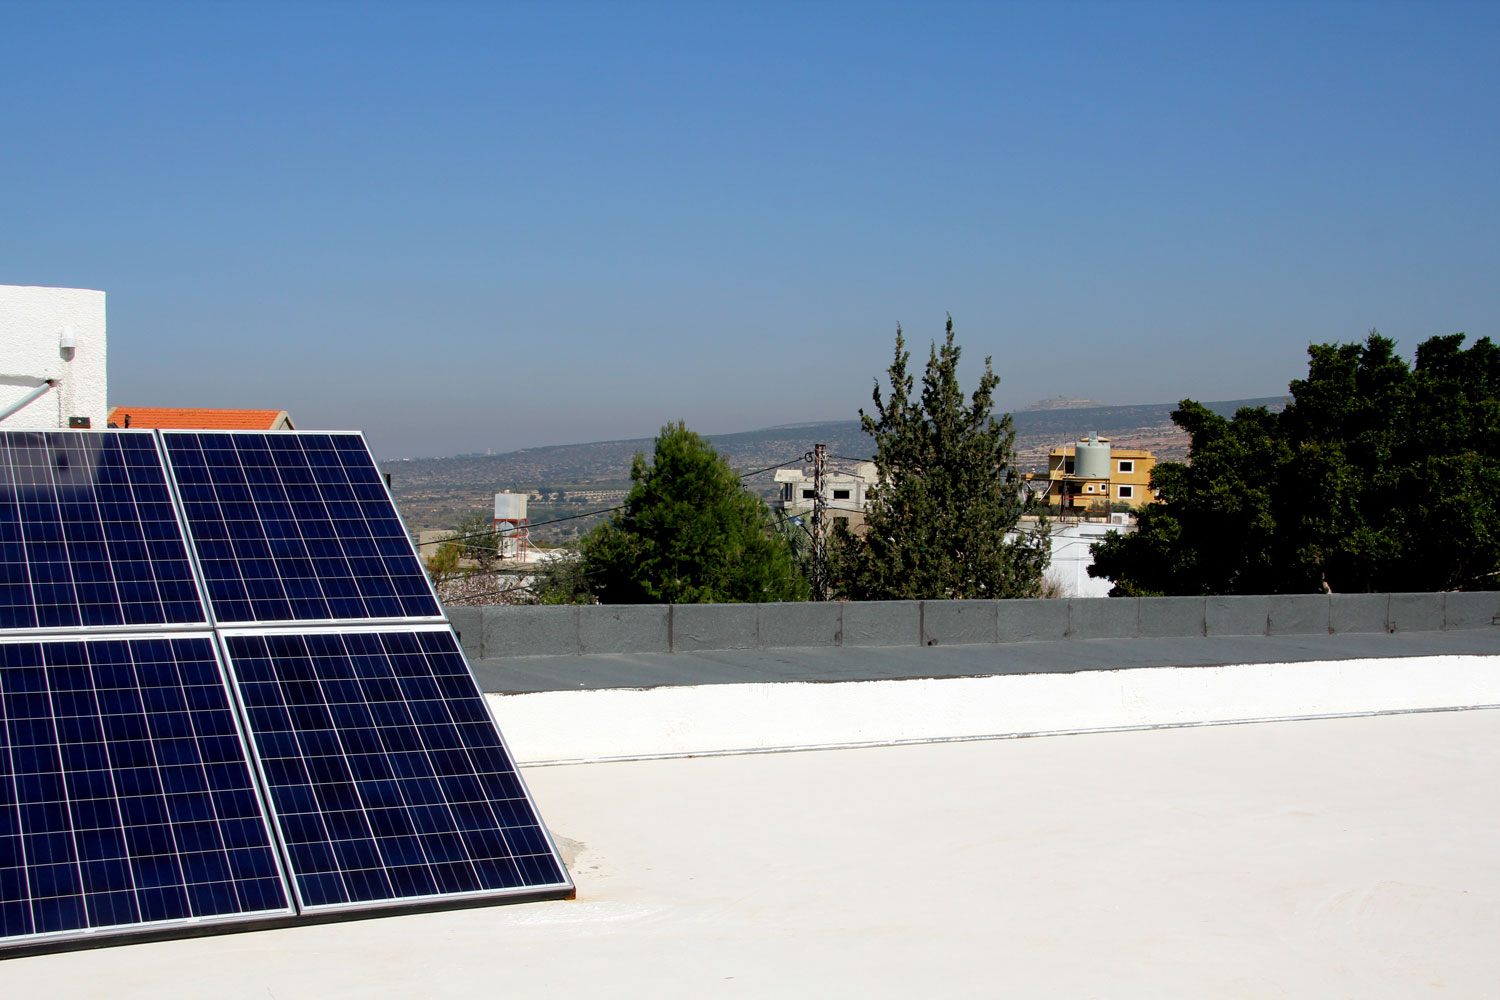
(959, 623)
(713, 626)
(1031, 620)
(1298, 614)
(1171, 617)
(1104, 618)
(806, 624)
(1416, 612)
(469, 624)
(882, 623)
(494, 632)
(531, 631)
(1471, 610)
(1359, 612)
(624, 628)
(1236, 615)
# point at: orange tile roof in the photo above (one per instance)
(194, 418)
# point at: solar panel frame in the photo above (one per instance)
(198, 545)
(562, 888)
(132, 796)
(152, 537)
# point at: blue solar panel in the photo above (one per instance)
(296, 527)
(88, 534)
(387, 778)
(126, 797)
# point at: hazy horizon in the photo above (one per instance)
(464, 227)
(727, 432)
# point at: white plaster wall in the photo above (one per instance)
(554, 726)
(1071, 559)
(31, 324)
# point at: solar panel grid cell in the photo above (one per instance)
(88, 534)
(296, 527)
(125, 795)
(387, 778)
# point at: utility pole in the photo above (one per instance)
(820, 522)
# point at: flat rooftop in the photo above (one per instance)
(1339, 857)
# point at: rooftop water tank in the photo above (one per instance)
(1091, 460)
(510, 506)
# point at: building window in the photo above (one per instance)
(1127, 465)
(841, 494)
(1088, 488)
(1127, 492)
(808, 494)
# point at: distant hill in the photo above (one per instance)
(1062, 403)
(438, 492)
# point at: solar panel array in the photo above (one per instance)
(308, 739)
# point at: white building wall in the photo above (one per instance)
(32, 320)
(1069, 566)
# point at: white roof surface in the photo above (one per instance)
(1346, 857)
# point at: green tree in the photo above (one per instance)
(947, 494)
(466, 569)
(1378, 476)
(478, 541)
(689, 533)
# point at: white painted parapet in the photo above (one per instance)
(37, 325)
(568, 726)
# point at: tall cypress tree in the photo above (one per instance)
(947, 493)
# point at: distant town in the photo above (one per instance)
(564, 480)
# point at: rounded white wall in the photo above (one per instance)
(32, 321)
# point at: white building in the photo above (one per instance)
(844, 493)
(52, 354)
(1068, 567)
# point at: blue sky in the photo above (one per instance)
(468, 226)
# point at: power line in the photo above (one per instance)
(542, 567)
(605, 510)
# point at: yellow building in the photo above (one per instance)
(1090, 477)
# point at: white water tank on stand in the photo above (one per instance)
(1091, 457)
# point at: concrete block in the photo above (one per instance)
(712, 626)
(1104, 617)
(1171, 617)
(1037, 620)
(882, 623)
(1236, 615)
(469, 624)
(804, 624)
(623, 628)
(1473, 609)
(1358, 612)
(1416, 613)
(959, 623)
(1299, 614)
(530, 631)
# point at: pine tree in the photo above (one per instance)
(689, 534)
(946, 497)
